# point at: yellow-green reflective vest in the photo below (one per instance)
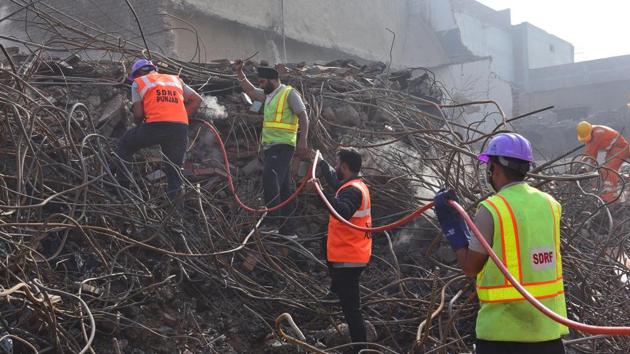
(280, 124)
(527, 240)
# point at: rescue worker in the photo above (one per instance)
(284, 113)
(522, 224)
(161, 104)
(602, 138)
(348, 250)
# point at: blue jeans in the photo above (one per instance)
(172, 139)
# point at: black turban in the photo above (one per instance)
(265, 72)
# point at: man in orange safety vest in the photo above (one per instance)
(348, 250)
(161, 104)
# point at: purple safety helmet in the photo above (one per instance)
(508, 145)
(140, 64)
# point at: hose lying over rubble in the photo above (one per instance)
(608, 330)
(231, 181)
(301, 186)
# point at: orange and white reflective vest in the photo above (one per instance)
(527, 240)
(348, 245)
(162, 98)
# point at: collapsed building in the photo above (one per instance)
(473, 50)
(92, 265)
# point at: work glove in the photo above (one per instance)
(452, 224)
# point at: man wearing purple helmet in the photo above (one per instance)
(522, 224)
(161, 104)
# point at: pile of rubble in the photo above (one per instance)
(91, 265)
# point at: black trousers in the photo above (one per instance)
(277, 184)
(172, 139)
(345, 283)
(493, 347)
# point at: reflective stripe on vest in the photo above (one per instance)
(511, 255)
(162, 98)
(348, 245)
(527, 241)
(280, 124)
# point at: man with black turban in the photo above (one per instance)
(284, 113)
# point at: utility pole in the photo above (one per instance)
(284, 40)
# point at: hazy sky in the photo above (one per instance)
(597, 29)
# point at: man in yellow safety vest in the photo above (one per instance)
(284, 113)
(522, 224)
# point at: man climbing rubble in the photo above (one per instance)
(522, 224)
(284, 113)
(348, 250)
(161, 104)
(600, 138)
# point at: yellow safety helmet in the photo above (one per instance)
(584, 130)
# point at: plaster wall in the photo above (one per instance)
(544, 49)
(112, 17)
(357, 28)
(477, 81)
(484, 39)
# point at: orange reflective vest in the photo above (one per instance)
(348, 245)
(162, 98)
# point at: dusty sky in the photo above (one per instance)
(597, 29)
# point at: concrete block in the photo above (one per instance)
(155, 175)
(113, 113)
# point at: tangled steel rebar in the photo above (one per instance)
(92, 266)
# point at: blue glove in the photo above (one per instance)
(453, 225)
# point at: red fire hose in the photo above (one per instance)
(332, 210)
(606, 330)
(619, 331)
(231, 182)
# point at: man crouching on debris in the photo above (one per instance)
(348, 250)
(284, 112)
(161, 105)
(522, 224)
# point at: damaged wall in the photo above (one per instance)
(469, 30)
(320, 30)
(594, 90)
(474, 81)
(111, 16)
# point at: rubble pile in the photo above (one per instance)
(90, 265)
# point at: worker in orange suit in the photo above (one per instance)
(602, 138)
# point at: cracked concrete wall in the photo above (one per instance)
(545, 49)
(216, 29)
(110, 16)
(579, 90)
(315, 30)
(476, 81)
